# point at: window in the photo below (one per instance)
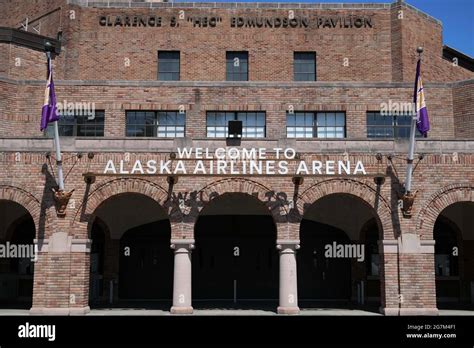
(304, 66)
(168, 65)
(171, 124)
(300, 124)
(237, 66)
(388, 126)
(253, 124)
(79, 125)
(316, 125)
(163, 124)
(331, 125)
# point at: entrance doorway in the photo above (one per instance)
(235, 263)
(147, 271)
(454, 246)
(17, 230)
(327, 278)
(338, 263)
(131, 258)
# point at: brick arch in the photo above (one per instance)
(265, 195)
(126, 185)
(25, 199)
(439, 201)
(352, 187)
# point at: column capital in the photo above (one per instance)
(61, 242)
(182, 243)
(293, 244)
(388, 246)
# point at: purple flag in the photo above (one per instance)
(422, 120)
(49, 113)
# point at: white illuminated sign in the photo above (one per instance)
(235, 161)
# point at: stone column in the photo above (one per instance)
(182, 298)
(288, 303)
(408, 278)
(417, 276)
(389, 281)
(61, 277)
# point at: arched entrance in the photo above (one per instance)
(148, 272)
(338, 264)
(454, 266)
(17, 231)
(131, 258)
(235, 263)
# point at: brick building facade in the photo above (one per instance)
(108, 54)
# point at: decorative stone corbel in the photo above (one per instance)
(407, 203)
(61, 199)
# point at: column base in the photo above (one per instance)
(288, 310)
(181, 310)
(79, 311)
(390, 311)
(419, 311)
(59, 311)
(394, 311)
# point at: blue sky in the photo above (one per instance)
(457, 17)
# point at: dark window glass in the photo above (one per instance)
(79, 125)
(316, 125)
(162, 124)
(168, 65)
(304, 66)
(388, 126)
(237, 66)
(253, 123)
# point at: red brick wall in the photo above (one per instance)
(52, 288)
(14, 12)
(434, 173)
(275, 101)
(5, 58)
(24, 63)
(463, 102)
(417, 281)
(417, 30)
(203, 49)
(385, 52)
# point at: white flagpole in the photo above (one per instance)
(59, 163)
(411, 153)
(411, 147)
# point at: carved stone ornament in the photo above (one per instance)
(407, 204)
(61, 199)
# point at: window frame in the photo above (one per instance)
(312, 131)
(393, 128)
(154, 126)
(63, 123)
(168, 60)
(229, 63)
(234, 116)
(313, 76)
